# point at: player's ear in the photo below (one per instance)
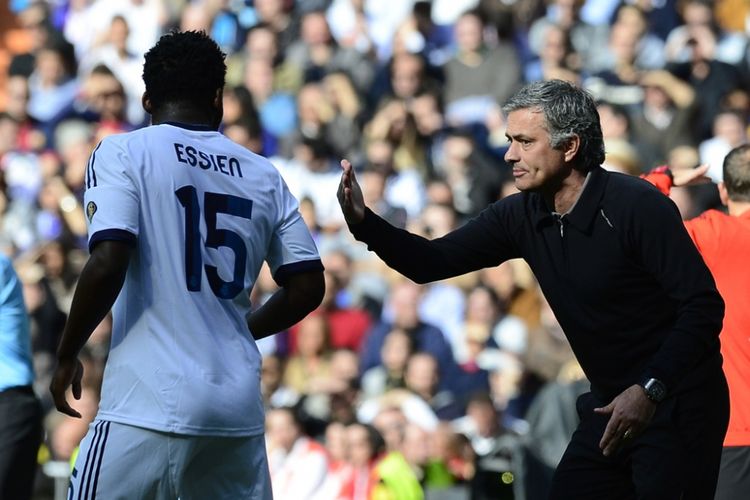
(146, 103)
(723, 195)
(571, 147)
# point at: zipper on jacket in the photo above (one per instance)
(560, 222)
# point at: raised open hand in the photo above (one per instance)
(350, 195)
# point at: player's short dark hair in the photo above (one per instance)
(737, 173)
(568, 111)
(184, 66)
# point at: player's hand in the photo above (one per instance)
(690, 176)
(350, 195)
(629, 414)
(69, 372)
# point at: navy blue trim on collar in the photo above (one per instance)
(111, 235)
(190, 126)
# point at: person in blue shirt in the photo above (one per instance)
(20, 410)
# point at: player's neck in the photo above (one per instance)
(187, 115)
(737, 208)
(567, 193)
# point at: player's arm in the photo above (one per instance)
(100, 282)
(298, 296)
(664, 178)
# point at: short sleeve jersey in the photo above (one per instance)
(203, 214)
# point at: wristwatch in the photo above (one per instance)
(655, 389)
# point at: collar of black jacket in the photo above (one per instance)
(584, 212)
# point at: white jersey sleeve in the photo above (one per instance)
(292, 249)
(111, 199)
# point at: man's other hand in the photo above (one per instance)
(629, 414)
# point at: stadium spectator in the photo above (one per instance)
(666, 118)
(29, 137)
(477, 74)
(307, 371)
(275, 393)
(496, 450)
(557, 59)
(421, 377)
(53, 85)
(394, 476)
(283, 19)
(729, 132)
(317, 54)
(124, 65)
(587, 39)
(366, 447)
(395, 352)
(297, 463)
(698, 14)
(404, 304)
(711, 79)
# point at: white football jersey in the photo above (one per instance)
(203, 214)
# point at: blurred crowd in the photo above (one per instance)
(457, 389)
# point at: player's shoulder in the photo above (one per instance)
(713, 220)
(126, 141)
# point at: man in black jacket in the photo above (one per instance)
(627, 285)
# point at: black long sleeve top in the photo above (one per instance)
(620, 272)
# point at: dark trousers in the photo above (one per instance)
(20, 437)
(734, 476)
(676, 457)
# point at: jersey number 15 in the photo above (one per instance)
(213, 203)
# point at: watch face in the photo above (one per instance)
(655, 390)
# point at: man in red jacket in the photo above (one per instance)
(724, 242)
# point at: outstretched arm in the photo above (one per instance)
(484, 241)
(664, 178)
(100, 282)
(299, 296)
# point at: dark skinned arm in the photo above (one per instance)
(100, 282)
(298, 297)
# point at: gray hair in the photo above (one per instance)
(568, 111)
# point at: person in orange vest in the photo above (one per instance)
(723, 240)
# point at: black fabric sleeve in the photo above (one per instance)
(668, 252)
(484, 241)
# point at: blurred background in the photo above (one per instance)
(459, 389)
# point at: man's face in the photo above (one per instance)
(536, 165)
